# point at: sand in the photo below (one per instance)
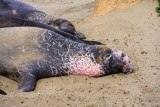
(134, 29)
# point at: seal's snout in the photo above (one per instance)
(121, 62)
(127, 67)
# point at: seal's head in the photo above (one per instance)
(63, 25)
(66, 26)
(114, 61)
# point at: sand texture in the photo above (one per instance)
(132, 27)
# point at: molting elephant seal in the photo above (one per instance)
(39, 53)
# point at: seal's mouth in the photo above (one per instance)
(121, 61)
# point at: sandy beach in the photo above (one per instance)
(132, 26)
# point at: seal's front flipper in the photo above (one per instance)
(2, 92)
(28, 83)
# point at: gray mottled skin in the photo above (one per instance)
(39, 55)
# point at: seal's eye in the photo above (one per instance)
(107, 56)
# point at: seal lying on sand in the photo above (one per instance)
(38, 53)
(18, 9)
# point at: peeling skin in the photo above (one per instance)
(53, 55)
(49, 54)
(83, 65)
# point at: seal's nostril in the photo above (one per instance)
(123, 55)
(109, 51)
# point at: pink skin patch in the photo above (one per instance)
(83, 65)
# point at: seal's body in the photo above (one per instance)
(39, 53)
(21, 10)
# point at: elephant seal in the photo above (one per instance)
(39, 53)
(21, 14)
(20, 10)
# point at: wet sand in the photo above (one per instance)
(134, 29)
